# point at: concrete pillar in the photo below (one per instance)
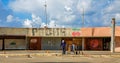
(3, 44)
(113, 36)
(83, 41)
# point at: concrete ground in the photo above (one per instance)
(58, 59)
(26, 56)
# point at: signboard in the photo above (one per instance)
(76, 32)
(33, 40)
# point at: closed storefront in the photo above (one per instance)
(35, 43)
(93, 44)
(52, 43)
(117, 44)
(15, 44)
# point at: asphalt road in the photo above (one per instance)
(57, 59)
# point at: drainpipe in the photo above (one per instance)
(113, 36)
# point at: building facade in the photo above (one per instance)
(87, 39)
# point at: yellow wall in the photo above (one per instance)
(43, 32)
(20, 44)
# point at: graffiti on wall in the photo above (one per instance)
(94, 44)
(12, 43)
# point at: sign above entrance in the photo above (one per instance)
(58, 32)
(76, 32)
(33, 40)
(76, 29)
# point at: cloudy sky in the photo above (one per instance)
(59, 13)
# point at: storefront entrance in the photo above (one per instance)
(93, 44)
(106, 43)
(12, 42)
(76, 41)
(35, 43)
(97, 44)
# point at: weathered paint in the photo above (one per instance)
(50, 43)
(18, 44)
(117, 44)
(1, 44)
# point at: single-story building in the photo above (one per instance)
(88, 39)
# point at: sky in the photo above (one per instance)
(58, 13)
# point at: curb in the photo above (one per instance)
(59, 54)
(33, 54)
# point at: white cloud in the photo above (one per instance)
(112, 11)
(68, 9)
(27, 23)
(86, 4)
(113, 7)
(52, 24)
(36, 19)
(117, 16)
(9, 18)
(61, 10)
(43, 25)
(34, 22)
(26, 5)
(69, 18)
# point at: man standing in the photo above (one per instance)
(63, 45)
(73, 47)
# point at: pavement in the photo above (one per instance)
(55, 56)
(32, 53)
(58, 59)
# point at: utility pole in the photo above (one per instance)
(113, 36)
(46, 12)
(83, 18)
(83, 41)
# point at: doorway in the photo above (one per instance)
(106, 43)
(76, 41)
(35, 43)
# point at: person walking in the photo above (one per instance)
(63, 45)
(73, 48)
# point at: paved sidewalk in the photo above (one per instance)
(36, 56)
(58, 59)
(31, 53)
